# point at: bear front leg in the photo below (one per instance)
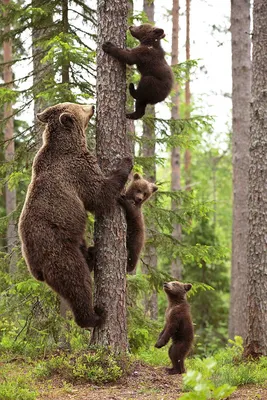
(163, 339)
(112, 186)
(123, 55)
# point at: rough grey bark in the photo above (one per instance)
(40, 70)
(176, 266)
(187, 156)
(241, 76)
(256, 340)
(10, 195)
(110, 230)
(148, 148)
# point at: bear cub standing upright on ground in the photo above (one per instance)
(66, 182)
(178, 326)
(156, 75)
(137, 193)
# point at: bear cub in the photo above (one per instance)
(66, 183)
(178, 326)
(156, 75)
(137, 193)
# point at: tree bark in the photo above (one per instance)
(256, 340)
(40, 70)
(10, 195)
(241, 85)
(176, 266)
(148, 149)
(187, 156)
(112, 144)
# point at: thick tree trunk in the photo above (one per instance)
(10, 195)
(40, 70)
(187, 156)
(176, 266)
(241, 75)
(256, 340)
(150, 253)
(112, 144)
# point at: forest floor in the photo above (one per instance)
(145, 382)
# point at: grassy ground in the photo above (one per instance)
(18, 381)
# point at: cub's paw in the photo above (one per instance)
(108, 46)
(122, 199)
(159, 344)
(127, 163)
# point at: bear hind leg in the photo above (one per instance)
(140, 108)
(132, 91)
(177, 355)
(70, 278)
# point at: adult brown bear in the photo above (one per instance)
(66, 182)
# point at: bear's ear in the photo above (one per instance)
(159, 33)
(154, 187)
(67, 120)
(45, 115)
(187, 286)
(137, 176)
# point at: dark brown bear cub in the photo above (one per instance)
(66, 182)
(178, 326)
(156, 75)
(137, 193)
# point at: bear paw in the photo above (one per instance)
(107, 47)
(127, 163)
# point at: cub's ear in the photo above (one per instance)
(159, 33)
(187, 286)
(67, 120)
(154, 187)
(45, 115)
(137, 176)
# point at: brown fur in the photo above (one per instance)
(156, 75)
(138, 192)
(66, 182)
(178, 326)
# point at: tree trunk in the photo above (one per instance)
(10, 195)
(148, 147)
(187, 156)
(112, 144)
(256, 340)
(65, 27)
(39, 69)
(241, 75)
(176, 266)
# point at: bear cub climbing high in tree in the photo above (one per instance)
(156, 75)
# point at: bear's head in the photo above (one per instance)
(68, 115)
(147, 33)
(140, 190)
(176, 291)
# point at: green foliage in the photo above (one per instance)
(201, 386)
(231, 368)
(96, 366)
(15, 386)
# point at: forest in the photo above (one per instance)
(200, 154)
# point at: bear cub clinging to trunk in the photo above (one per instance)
(178, 326)
(137, 193)
(156, 75)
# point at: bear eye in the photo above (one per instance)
(139, 191)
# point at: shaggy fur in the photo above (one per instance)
(178, 326)
(66, 182)
(138, 192)
(156, 75)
